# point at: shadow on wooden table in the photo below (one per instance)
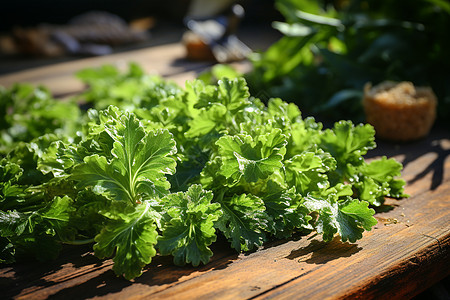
(319, 252)
(78, 273)
(436, 146)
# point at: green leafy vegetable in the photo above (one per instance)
(243, 157)
(190, 229)
(132, 239)
(349, 218)
(28, 112)
(165, 170)
(244, 221)
(138, 164)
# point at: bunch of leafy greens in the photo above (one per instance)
(347, 44)
(165, 169)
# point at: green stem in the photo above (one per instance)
(79, 242)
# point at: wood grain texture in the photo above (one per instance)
(164, 60)
(167, 61)
(405, 253)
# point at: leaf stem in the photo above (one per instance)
(79, 242)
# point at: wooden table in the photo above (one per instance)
(404, 254)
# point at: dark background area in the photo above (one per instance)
(167, 23)
(30, 13)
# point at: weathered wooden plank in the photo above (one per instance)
(165, 60)
(404, 254)
(396, 261)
